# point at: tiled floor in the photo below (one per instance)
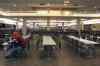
(64, 58)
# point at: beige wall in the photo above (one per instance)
(96, 27)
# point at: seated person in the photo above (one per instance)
(18, 37)
(16, 46)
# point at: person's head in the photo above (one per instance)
(16, 35)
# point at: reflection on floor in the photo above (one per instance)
(64, 58)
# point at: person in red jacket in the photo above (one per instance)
(17, 47)
(19, 39)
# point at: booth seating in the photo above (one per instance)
(92, 37)
(84, 47)
(98, 39)
(48, 46)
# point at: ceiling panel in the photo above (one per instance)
(23, 4)
(87, 3)
(32, 1)
(74, 2)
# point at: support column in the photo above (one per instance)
(62, 25)
(24, 28)
(79, 33)
(48, 24)
(79, 26)
(33, 27)
(48, 21)
(61, 41)
(17, 24)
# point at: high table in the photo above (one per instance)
(86, 47)
(48, 40)
(85, 41)
(48, 45)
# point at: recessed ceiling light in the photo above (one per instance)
(21, 19)
(14, 5)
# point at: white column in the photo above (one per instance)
(24, 28)
(79, 25)
(17, 23)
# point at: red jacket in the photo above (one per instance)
(19, 38)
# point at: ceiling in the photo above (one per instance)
(87, 3)
(27, 4)
(31, 1)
